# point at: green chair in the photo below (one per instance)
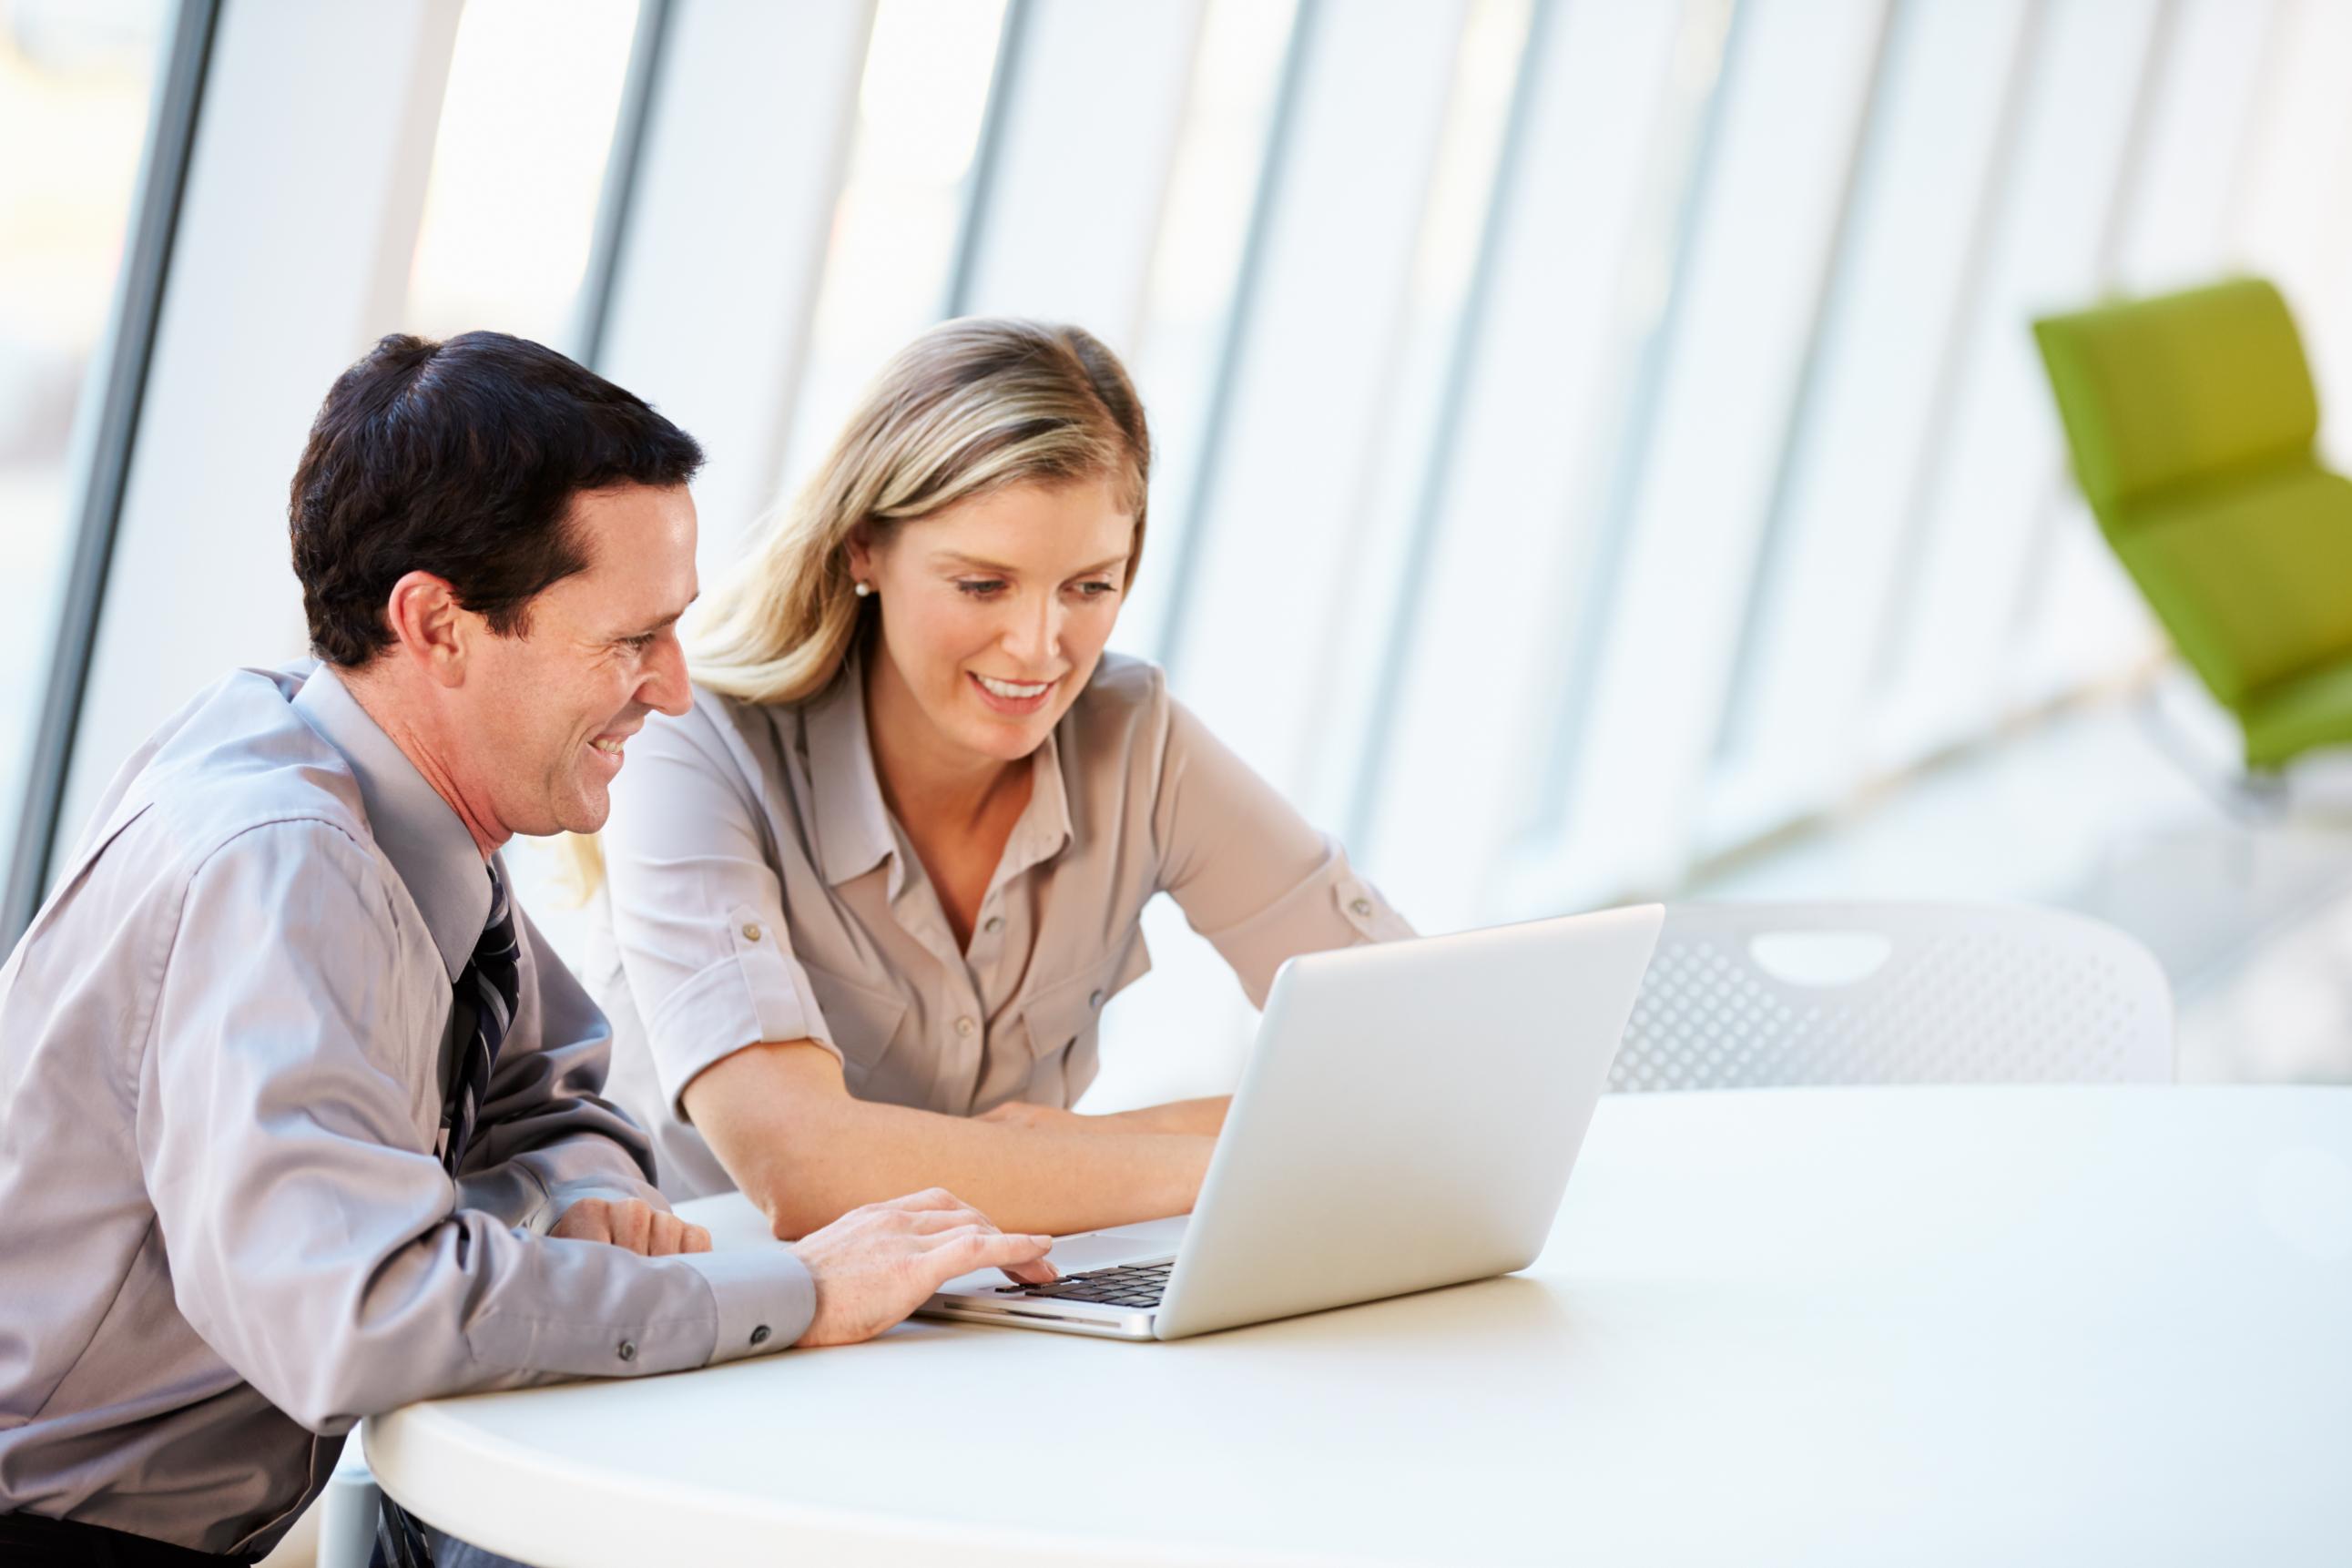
(2192, 418)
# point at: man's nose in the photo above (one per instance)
(667, 686)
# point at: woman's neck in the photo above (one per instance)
(926, 782)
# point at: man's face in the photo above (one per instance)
(542, 716)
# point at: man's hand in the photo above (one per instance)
(631, 1223)
(875, 1265)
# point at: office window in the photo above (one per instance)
(1954, 660)
(1574, 286)
(1231, 110)
(1397, 529)
(1930, 172)
(75, 81)
(920, 107)
(1079, 164)
(519, 167)
(1729, 364)
(1270, 565)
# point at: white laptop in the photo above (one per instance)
(1408, 1120)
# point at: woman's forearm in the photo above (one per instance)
(842, 1153)
(1203, 1117)
(782, 1122)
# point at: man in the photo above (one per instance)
(298, 1114)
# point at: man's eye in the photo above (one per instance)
(641, 642)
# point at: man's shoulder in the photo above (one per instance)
(237, 757)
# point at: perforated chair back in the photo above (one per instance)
(1752, 995)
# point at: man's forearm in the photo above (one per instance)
(1048, 1180)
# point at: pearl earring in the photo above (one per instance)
(864, 589)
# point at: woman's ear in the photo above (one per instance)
(861, 553)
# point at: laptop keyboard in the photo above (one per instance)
(1129, 1285)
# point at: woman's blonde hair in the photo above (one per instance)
(970, 406)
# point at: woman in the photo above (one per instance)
(868, 897)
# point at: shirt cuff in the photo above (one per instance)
(764, 1295)
(1332, 908)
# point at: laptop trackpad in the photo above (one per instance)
(1095, 1249)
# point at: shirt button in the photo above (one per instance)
(992, 924)
(759, 1335)
(1095, 1001)
(627, 1351)
(1361, 906)
(751, 931)
(964, 1025)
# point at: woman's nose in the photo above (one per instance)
(1036, 634)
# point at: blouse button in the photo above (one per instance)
(992, 924)
(1361, 906)
(751, 931)
(1096, 1001)
(627, 1350)
(759, 1335)
(964, 1025)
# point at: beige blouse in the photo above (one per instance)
(758, 888)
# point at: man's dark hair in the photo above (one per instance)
(460, 459)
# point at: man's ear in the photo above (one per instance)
(429, 628)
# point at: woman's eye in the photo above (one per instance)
(980, 588)
(1096, 590)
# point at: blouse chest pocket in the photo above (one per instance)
(1061, 1018)
(863, 1023)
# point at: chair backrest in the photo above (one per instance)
(2180, 389)
(1752, 995)
(2191, 420)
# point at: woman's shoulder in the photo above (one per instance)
(730, 736)
(1125, 695)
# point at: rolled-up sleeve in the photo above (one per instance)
(316, 1250)
(1251, 874)
(697, 912)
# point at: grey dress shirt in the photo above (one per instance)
(224, 1235)
(759, 889)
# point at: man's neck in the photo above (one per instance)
(383, 705)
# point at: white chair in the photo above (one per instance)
(1748, 995)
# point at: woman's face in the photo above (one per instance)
(994, 614)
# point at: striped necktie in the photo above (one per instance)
(486, 995)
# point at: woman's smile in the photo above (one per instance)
(1009, 697)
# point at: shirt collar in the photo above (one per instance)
(853, 825)
(854, 833)
(418, 832)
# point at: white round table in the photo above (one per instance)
(1848, 1326)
